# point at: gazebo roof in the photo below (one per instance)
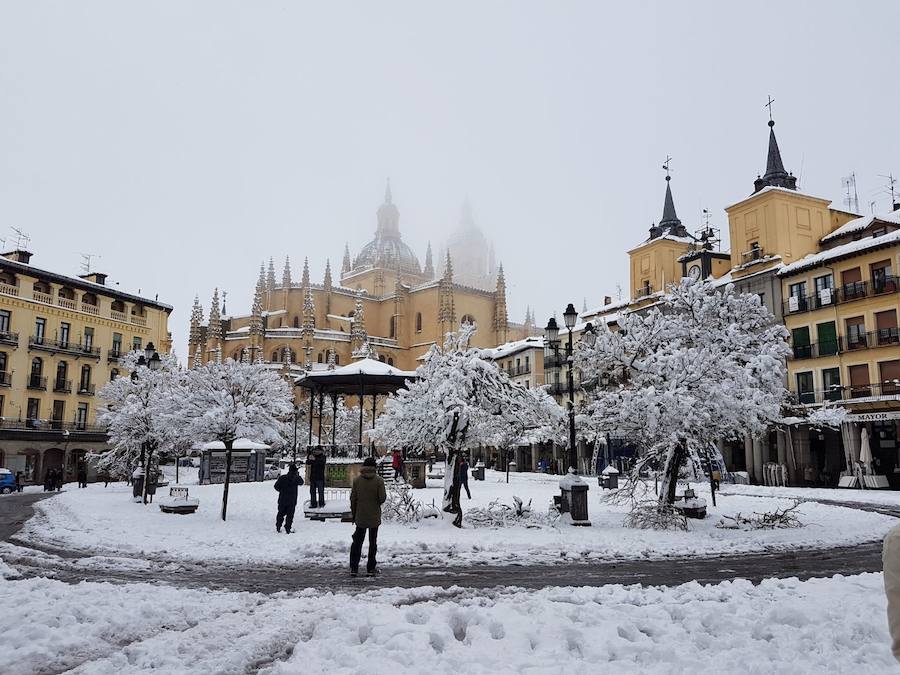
(239, 444)
(366, 377)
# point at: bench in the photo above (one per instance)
(178, 502)
(337, 506)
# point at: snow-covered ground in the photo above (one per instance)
(874, 497)
(105, 521)
(785, 626)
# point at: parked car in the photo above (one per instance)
(7, 481)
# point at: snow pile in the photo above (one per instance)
(780, 626)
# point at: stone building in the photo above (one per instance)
(382, 303)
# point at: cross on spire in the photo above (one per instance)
(666, 166)
(769, 106)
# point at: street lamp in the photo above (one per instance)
(570, 316)
(149, 359)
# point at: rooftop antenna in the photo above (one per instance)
(22, 238)
(872, 206)
(709, 235)
(851, 201)
(86, 259)
(891, 187)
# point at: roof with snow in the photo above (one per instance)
(775, 188)
(363, 377)
(509, 348)
(239, 444)
(845, 250)
(862, 223)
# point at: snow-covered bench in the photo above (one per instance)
(337, 505)
(178, 502)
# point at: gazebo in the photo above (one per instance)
(362, 378)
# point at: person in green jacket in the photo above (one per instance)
(366, 498)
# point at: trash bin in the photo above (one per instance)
(137, 484)
(151, 486)
(573, 498)
(610, 476)
(478, 471)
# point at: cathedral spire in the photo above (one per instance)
(309, 314)
(776, 175)
(448, 268)
(669, 223)
(286, 275)
(429, 264)
(270, 278)
(214, 330)
(304, 282)
(346, 265)
(388, 197)
(501, 316)
(328, 282)
(388, 216)
(194, 336)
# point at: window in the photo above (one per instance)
(852, 285)
(5, 321)
(296, 322)
(85, 384)
(34, 409)
(826, 333)
(135, 342)
(275, 358)
(797, 297)
(831, 381)
(113, 374)
(64, 330)
(37, 371)
(390, 361)
(859, 381)
(856, 333)
(392, 327)
(62, 369)
(886, 331)
(805, 392)
(800, 343)
(3, 360)
(890, 377)
(381, 358)
(81, 416)
(88, 339)
(320, 358)
(883, 280)
(1, 406)
(824, 290)
(468, 318)
(527, 364)
(117, 343)
(58, 414)
(527, 384)
(418, 322)
(826, 281)
(40, 327)
(337, 359)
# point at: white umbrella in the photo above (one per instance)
(865, 450)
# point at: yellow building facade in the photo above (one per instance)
(60, 340)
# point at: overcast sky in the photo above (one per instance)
(183, 142)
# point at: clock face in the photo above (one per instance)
(694, 272)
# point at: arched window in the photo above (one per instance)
(337, 359)
(381, 358)
(8, 278)
(37, 366)
(293, 356)
(418, 322)
(89, 299)
(117, 306)
(113, 374)
(467, 318)
(392, 328)
(390, 361)
(296, 322)
(275, 357)
(236, 355)
(62, 369)
(321, 358)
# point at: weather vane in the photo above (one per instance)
(769, 106)
(666, 165)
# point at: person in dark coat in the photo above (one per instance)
(82, 475)
(366, 498)
(20, 481)
(464, 476)
(397, 464)
(316, 462)
(287, 485)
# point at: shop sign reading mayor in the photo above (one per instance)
(882, 416)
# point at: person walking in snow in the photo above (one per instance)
(82, 475)
(464, 476)
(287, 485)
(316, 462)
(366, 498)
(397, 464)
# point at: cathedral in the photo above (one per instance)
(383, 305)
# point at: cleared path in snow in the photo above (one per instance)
(71, 566)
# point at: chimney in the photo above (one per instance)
(607, 300)
(18, 255)
(94, 278)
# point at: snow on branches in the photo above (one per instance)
(706, 364)
(459, 400)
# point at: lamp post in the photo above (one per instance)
(552, 335)
(149, 359)
(296, 416)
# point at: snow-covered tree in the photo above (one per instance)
(230, 400)
(707, 364)
(459, 400)
(139, 409)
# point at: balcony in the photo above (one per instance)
(8, 338)
(518, 370)
(552, 360)
(85, 389)
(66, 303)
(114, 354)
(7, 423)
(754, 254)
(90, 309)
(9, 289)
(37, 383)
(62, 386)
(643, 292)
(138, 320)
(117, 316)
(5, 379)
(44, 298)
(883, 337)
(857, 290)
(848, 393)
(557, 389)
(63, 347)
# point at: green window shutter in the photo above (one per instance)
(827, 334)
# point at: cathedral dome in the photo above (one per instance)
(387, 249)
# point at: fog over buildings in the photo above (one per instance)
(184, 143)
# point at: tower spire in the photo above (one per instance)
(214, 330)
(501, 316)
(775, 175)
(346, 265)
(429, 264)
(328, 282)
(286, 275)
(669, 223)
(304, 282)
(194, 337)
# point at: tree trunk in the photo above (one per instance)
(451, 478)
(228, 445)
(675, 457)
(148, 458)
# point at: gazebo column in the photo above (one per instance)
(372, 442)
(362, 388)
(321, 402)
(311, 395)
(333, 419)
